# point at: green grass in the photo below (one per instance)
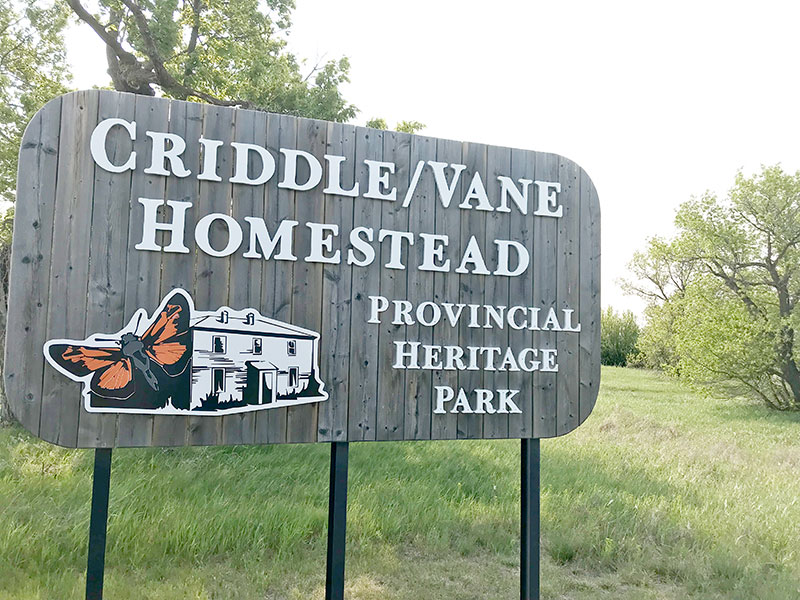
(663, 493)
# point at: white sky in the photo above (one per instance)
(657, 103)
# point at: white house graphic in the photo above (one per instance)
(242, 361)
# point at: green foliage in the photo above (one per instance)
(377, 123)
(657, 341)
(618, 337)
(230, 52)
(33, 69)
(724, 293)
(410, 126)
(661, 494)
(403, 126)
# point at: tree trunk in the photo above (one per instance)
(791, 374)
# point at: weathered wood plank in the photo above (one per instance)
(177, 269)
(301, 420)
(390, 409)
(245, 277)
(421, 218)
(66, 315)
(589, 297)
(283, 285)
(109, 238)
(212, 274)
(568, 256)
(496, 289)
(523, 166)
(472, 285)
(545, 282)
(271, 272)
(29, 280)
(363, 336)
(337, 284)
(446, 285)
(143, 272)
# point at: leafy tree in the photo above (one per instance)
(410, 126)
(404, 126)
(657, 343)
(736, 314)
(618, 336)
(225, 52)
(660, 276)
(33, 69)
(378, 123)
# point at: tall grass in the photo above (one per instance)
(661, 494)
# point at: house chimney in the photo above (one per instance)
(250, 319)
(223, 316)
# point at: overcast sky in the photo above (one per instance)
(656, 103)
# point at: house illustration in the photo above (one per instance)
(242, 361)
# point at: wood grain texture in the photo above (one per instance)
(337, 284)
(143, 270)
(301, 420)
(30, 267)
(75, 272)
(365, 282)
(472, 287)
(421, 216)
(496, 289)
(446, 285)
(545, 284)
(69, 268)
(393, 284)
(567, 293)
(109, 238)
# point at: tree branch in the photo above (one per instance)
(163, 77)
(110, 40)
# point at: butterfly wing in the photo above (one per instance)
(112, 371)
(167, 339)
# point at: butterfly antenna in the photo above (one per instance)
(139, 320)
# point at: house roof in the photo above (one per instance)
(236, 322)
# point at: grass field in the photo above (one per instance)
(663, 493)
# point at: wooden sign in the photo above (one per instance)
(187, 274)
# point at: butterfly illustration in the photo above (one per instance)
(127, 364)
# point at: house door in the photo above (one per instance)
(266, 394)
(217, 381)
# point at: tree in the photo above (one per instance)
(660, 276)
(739, 315)
(618, 337)
(225, 52)
(33, 69)
(403, 126)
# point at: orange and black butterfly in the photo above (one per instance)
(130, 364)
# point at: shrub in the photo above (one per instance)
(618, 336)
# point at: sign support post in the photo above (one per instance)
(530, 520)
(337, 522)
(98, 524)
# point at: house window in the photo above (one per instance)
(257, 345)
(292, 348)
(218, 344)
(217, 381)
(293, 376)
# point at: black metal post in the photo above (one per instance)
(98, 523)
(530, 521)
(337, 522)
